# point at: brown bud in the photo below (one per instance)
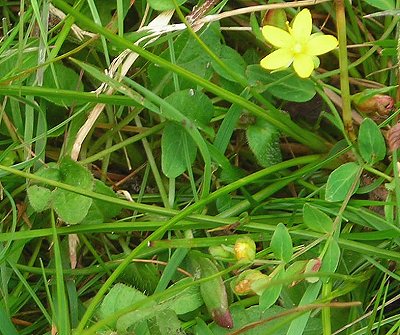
(379, 103)
(222, 317)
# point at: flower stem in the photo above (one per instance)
(344, 73)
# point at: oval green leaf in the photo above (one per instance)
(263, 139)
(341, 180)
(234, 61)
(72, 207)
(331, 259)
(317, 220)
(173, 142)
(281, 243)
(282, 84)
(39, 197)
(371, 143)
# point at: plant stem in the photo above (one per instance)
(326, 312)
(344, 72)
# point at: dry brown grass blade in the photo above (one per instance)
(393, 137)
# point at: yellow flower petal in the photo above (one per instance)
(303, 65)
(302, 26)
(279, 38)
(321, 44)
(280, 58)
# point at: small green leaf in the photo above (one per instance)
(67, 79)
(382, 4)
(282, 84)
(233, 60)
(164, 322)
(371, 143)
(317, 220)
(162, 5)
(39, 197)
(193, 104)
(187, 300)
(281, 243)
(93, 216)
(263, 139)
(272, 293)
(173, 160)
(340, 182)
(197, 107)
(101, 211)
(189, 55)
(224, 202)
(331, 258)
(107, 209)
(51, 172)
(119, 297)
(72, 207)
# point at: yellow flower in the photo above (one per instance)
(297, 46)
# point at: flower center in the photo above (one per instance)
(298, 48)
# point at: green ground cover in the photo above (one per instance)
(199, 167)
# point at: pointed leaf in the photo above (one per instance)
(331, 258)
(173, 141)
(62, 78)
(341, 180)
(317, 220)
(281, 243)
(272, 293)
(298, 325)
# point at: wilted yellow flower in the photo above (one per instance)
(297, 46)
(245, 249)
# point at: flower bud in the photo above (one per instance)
(245, 249)
(212, 291)
(313, 265)
(378, 103)
(250, 282)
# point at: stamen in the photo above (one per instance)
(297, 48)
